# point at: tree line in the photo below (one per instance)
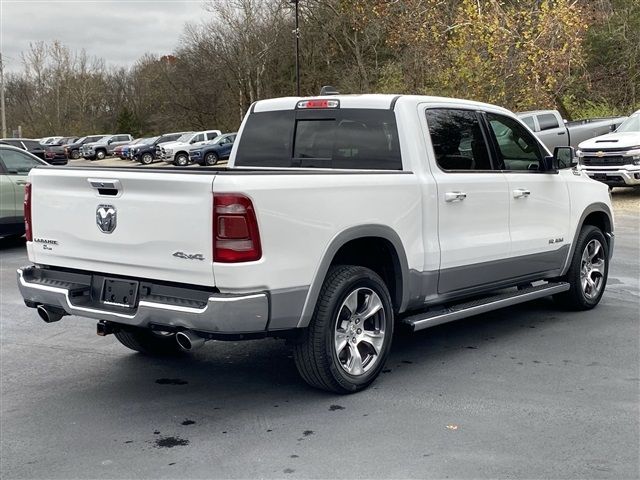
(579, 56)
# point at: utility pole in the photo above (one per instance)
(297, 34)
(2, 108)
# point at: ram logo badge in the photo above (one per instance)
(189, 256)
(106, 218)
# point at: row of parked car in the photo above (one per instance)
(206, 147)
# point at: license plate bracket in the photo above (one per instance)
(120, 293)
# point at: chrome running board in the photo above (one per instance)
(458, 311)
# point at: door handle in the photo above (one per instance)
(561, 133)
(454, 196)
(521, 192)
(21, 182)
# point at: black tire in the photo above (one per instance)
(100, 154)
(147, 159)
(145, 341)
(181, 160)
(211, 159)
(577, 298)
(75, 154)
(315, 352)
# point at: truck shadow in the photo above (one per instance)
(265, 368)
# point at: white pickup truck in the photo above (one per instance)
(178, 152)
(614, 159)
(338, 220)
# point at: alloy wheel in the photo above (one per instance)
(359, 331)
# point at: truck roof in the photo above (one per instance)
(370, 101)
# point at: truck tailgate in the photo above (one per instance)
(162, 223)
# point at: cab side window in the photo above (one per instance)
(517, 148)
(457, 139)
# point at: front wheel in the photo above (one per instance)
(101, 154)
(588, 271)
(348, 340)
(147, 159)
(149, 342)
(75, 154)
(211, 159)
(182, 160)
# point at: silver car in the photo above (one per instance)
(15, 165)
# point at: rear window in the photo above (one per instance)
(341, 139)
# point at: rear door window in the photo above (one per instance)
(547, 121)
(333, 138)
(457, 139)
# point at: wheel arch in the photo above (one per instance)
(599, 215)
(354, 246)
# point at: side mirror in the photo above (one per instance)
(564, 157)
(109, 142)
(613, 127)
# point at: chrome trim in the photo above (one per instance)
(245, 313)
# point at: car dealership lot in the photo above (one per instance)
(530, 391)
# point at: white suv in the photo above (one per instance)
(178, 152)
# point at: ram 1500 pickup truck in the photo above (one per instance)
(614, 159)
(338, 220)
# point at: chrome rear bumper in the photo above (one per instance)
(221, 313)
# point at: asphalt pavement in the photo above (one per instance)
(527, 392)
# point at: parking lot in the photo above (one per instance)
(118, 162)
(528, 392)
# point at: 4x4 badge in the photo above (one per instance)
(106, 218)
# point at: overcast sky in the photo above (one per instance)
(119, 31)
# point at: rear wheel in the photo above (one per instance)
(211, 159)
(147, 159)
(588, 271)
(149, 342)
(348, 340)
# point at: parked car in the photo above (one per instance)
(211, 152)
(126, 150)
(72, 150)
(554, 131)
(147, 152)
(28, 144)
(336, 217)
(178, 152)
(105, 146)
(56, 151)
(48, 140)
(614, 159)
(122, 151)
(15, 164)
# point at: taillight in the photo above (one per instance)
(27, 213)
(235, 229)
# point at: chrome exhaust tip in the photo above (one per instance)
(187, 340)
(48, 314)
